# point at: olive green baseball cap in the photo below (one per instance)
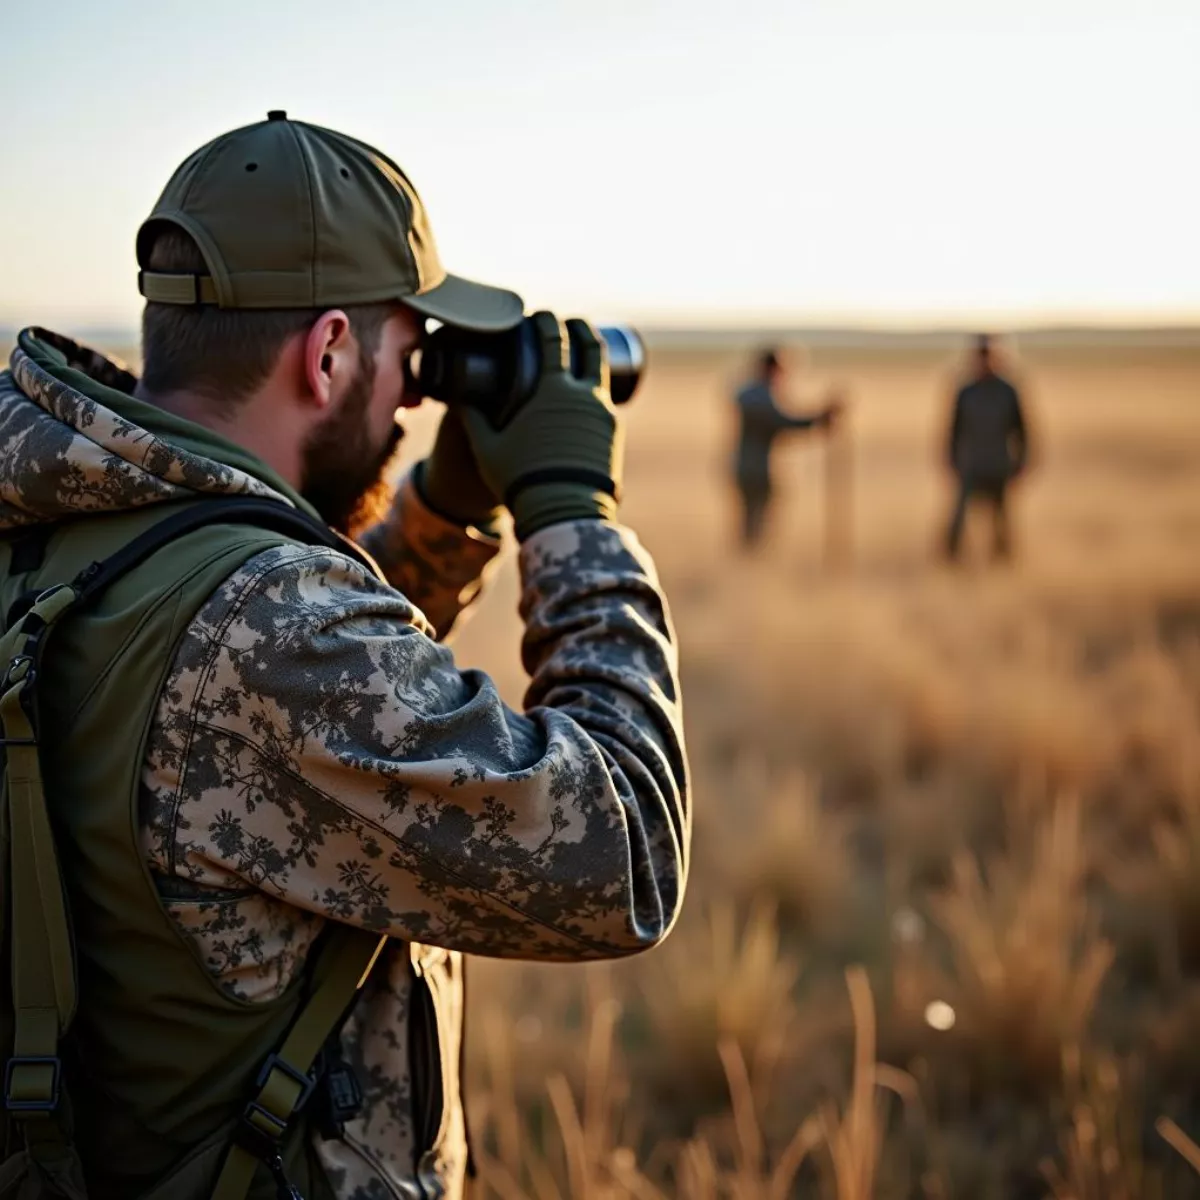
(290, 215)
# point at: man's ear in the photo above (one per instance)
(330, 356)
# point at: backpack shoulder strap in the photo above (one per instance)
(271, 515)
(42, 960)
(42, 968)
(285, 1080)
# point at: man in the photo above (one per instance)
(760, 422)
(987, 448)
(311, 764)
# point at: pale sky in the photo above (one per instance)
(661, 160)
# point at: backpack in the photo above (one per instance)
(38, 1157)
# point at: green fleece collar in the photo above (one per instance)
(108, 383)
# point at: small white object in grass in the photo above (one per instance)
(908, 925)
(939, 1015)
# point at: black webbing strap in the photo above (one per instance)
(42, 960)
(271, 515)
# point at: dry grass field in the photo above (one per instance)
(943, 932)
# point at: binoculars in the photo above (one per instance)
(497, 372)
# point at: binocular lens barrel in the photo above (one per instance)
(498, 372)
(626, 360)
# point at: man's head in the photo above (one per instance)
(983, 354)
(328, 380)
(770, 366)
(288, 271)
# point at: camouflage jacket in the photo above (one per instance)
(317, 755)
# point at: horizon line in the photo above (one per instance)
(934, 324)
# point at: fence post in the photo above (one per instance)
(839, 495)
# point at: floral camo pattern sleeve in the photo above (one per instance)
(315, 743)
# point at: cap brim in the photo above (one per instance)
(470, 305)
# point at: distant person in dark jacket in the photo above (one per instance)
(988, 447)
(761, 421)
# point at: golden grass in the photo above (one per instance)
(1027, 963)
(738, 999)
(1101, 1151)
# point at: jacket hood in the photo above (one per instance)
(74, 441)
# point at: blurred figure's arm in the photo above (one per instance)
(761, 413)
(806, 420)
(956, 428)
(818, 418)
(826, 417)
(1019, 434)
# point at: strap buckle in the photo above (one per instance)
(274, 1063)
(18, 680)
(261, 1124)
(14, 1104)
(21, 669)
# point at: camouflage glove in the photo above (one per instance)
(449, 480)
(558, 458)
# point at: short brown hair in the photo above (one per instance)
(224, 354)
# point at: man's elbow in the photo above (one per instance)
(646, 937)
(639, 922)
(622, 885)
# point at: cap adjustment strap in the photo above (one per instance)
(177, 288)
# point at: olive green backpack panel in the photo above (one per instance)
(161, 1058)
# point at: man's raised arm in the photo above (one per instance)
(381, 786)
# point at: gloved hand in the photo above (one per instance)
(559, 457)
(449, 480)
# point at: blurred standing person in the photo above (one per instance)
(760, 422)
(988, 447)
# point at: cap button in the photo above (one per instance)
(277, 114)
